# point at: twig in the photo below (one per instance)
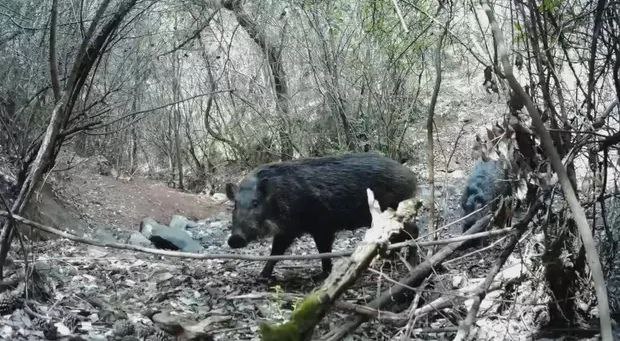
(371, 312)
(400, 16)
(483, 289)
(456, 141)
(465, 45)
(445, 227)
(179, 254)
(499, 232)
(135, 113)
(33, 313)
(492, 245)
(11, 223)
(194, 35)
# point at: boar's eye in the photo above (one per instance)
(254, 203)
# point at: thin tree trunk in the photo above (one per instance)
(274, 57)
(430, 154)
(52, 52)
(89, 51)
(176, 121)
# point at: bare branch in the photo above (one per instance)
(558, 167)
(195, 35)
(400, 16)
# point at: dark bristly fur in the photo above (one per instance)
(487, 181)
(318, 196)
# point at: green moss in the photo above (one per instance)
(283, 332)
(303, 320)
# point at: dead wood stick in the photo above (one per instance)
(206, 256)
(399, 319)
(414, 278)
(498, 232)
(344, 305)
(169, 253)
(380, 315)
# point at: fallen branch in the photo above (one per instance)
(206, 256)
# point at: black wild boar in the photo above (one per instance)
(318, 196)
(487, 181)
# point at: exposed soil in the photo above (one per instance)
(104, 200)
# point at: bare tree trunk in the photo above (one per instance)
(52, 52)
(430, 154)
(334, 92)
(274, 57)
(90, 49)
(209, 106)
(598, 23)
(176, 121)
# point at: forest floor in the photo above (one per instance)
(98, 287)
(101, 286)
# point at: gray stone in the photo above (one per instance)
(219, 197)
(139, 239)
(164, 237)
(179, 222)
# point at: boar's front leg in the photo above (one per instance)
(324, 242)
(281, 242)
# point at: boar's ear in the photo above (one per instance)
(231, 191)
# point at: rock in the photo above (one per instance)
(458, 281)
(147, 225)
(464, 117)
(139, 239)
(179, 221)
(219, 197)
(174, 239)
(164, 237)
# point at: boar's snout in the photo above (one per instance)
(236, 241)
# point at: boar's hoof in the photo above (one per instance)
(236, 241)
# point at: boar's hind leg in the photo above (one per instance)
(281, 242)
(324, 244)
